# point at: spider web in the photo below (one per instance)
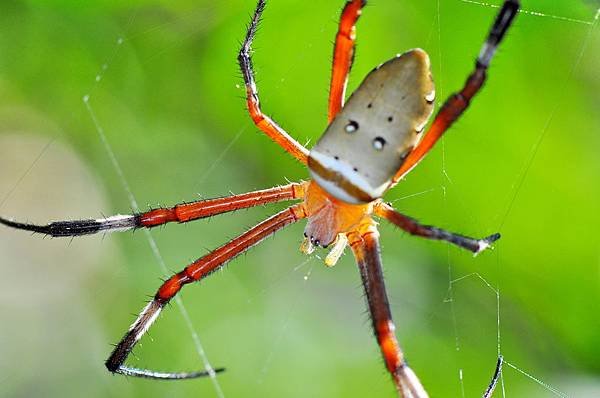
(151, 242)
(512, 196)
(446, 188)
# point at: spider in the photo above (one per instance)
(371, 142)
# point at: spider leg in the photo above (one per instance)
(343, 55)
(180, 213)
(413, 227)
(196, 271)
(458, 102)
(497, 373)
(262, 121)
(366, 250)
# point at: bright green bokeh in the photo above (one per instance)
(170, 101)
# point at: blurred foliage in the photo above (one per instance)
(165, 88)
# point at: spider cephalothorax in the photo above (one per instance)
(328, 216)
(370, 144)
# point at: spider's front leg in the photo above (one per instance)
(367, 253)
(262, 121)
(180, 213)
(196, 271)
(458, 102)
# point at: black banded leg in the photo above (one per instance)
(196, 271)
(413, 227)
(262, 121)
(181, 213)
(136, 331)
(366, 251)
(459, 101)
(503, 21)
(59, 229)
(497, 373)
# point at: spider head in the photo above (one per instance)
(330, 220)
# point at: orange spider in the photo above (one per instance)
(369, 145)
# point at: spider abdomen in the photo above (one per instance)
(370, 137)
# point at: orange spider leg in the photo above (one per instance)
(192, 273)
(343, 55)
(413, 227)
(262, 121)
(454, 106)
(205, 208)
(447, 115)
(366, 249)
(181, 213)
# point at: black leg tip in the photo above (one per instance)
(492, 238)
(486, 243)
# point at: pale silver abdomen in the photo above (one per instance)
(368, 140)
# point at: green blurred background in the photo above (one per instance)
(523, 161)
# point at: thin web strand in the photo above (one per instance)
(26, 172)
(521, 179)
(498, 335)
(133, 203)
(276, 343)
(445, 179)
(538, 381)
(222, 155)
(536, 146)
(277, 281)
(533, 13)
(496, 292)
(412, 195)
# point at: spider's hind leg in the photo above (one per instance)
(368, 257)
(194, 272)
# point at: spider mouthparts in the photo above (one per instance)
(336, 252)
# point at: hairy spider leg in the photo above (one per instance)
(262, 121)
(413, 227)
(366, 249)
(457, 103)
(180, 213)
(343, 55)
(196, 271)
(201, 209)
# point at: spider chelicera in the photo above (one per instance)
(370, 144)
